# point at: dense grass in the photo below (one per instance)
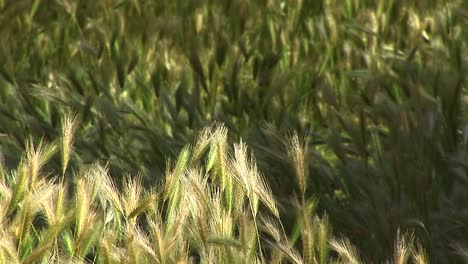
(214, 207)
(375, 90)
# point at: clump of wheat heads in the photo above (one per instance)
(214, 207)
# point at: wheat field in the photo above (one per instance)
(245, 131)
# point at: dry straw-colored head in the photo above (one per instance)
(69, 125)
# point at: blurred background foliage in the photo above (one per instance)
(376, 88)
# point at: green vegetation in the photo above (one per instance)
(355, 111)
(216, 209)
